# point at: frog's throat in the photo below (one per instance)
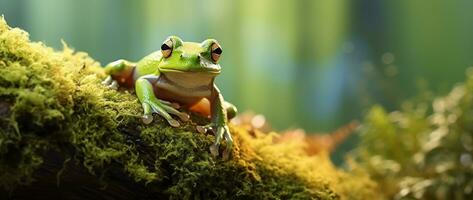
(192, 84)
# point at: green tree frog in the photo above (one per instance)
(181, 74)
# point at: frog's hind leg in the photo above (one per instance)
(120, 73)
(151, 104)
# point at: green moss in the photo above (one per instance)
(422, 151)
(53, 101)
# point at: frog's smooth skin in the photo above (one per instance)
(182, 73)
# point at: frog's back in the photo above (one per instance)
(149, 64)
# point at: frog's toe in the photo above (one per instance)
(174, 105)
(205, 129)
(113, 85)
(182, 115)
(107, 81)
(173, 123)
(110, 83)
(147, 118)
(228, 138)
(202, 129)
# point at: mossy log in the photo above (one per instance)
(64, 135)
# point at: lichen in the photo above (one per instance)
(53, 101)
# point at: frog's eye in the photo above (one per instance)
(215, 51)
(166, 48)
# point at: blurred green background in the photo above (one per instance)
(302, 63)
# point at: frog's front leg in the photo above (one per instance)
(219, 123)
(151, 104)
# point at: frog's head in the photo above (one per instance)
(179, 56)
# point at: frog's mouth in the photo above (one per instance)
(210, 72)
(212, 69)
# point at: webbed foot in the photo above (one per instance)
(221, 131)
(164, 111)
(151, 104)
